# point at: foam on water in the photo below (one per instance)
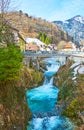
(42, 101)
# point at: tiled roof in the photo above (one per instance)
(32, 47)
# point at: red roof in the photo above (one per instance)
(32, 47)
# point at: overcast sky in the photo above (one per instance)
(52, 9)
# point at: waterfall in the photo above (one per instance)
(51, 81)
(42, 101)
(48, 80)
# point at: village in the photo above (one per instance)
(37, 46)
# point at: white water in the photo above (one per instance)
(42, 102)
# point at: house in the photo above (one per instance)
(53, 46)
(36, 42)
(31, 47)
(69, 46)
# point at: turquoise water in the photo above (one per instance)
(42, 103)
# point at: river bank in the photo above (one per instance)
(14, 112)
(42, 101)
(70, 81)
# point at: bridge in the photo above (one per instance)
(55, 53)
(60, 56)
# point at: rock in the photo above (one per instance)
(1, 120)
(1, 106)
(81, 116)
(82, 127)
(15, 128)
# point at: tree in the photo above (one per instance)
(43, 37)
(10, 63)
(47, 41)
(61, 45)
(82, 42)
(10, 55)
(6, 35)
(62, 34)
(39, 35)
(4, 6)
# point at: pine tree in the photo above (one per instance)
(10, 63)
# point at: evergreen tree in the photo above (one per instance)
(10, 63)
(40, 35)
(43, 37)
(47, 41)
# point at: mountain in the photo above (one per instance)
(74, 27)
(30, 26)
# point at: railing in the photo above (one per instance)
(54, 53)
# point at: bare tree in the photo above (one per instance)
(4, 6)
(6, 35)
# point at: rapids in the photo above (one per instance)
(42, 103)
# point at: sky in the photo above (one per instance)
(52, 10)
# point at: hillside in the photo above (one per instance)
(74, 27)
(31, 26)
(70, 80)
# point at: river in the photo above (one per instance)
(42, 103)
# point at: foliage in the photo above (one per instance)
(71, 110)
(22, 44)
(4, 5)
(15, 111)
(61, 45)
(71, 94)
(82, 43)
(80, 93)
(67, 86)
(6, 35)
(32, 26)
(43, 37)
(66, 91)
(12, 96)
(31, 78)
(47, 41)
(10, 63)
